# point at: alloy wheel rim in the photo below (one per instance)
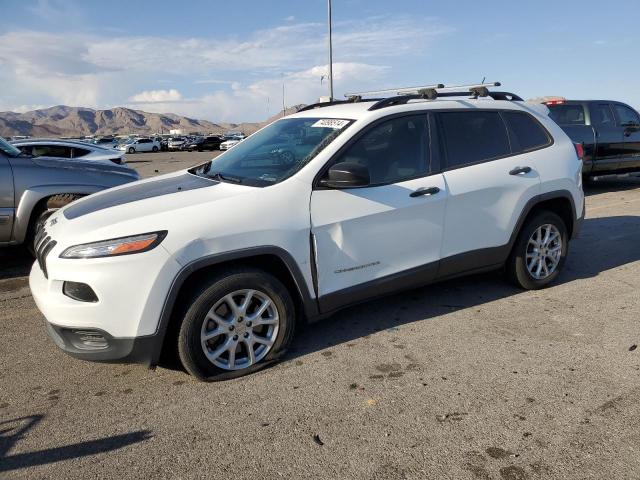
(240, 329)
(544, 250)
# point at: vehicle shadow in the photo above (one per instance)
(12, 431)
(14, 262)
(611, 183)
(616, 240)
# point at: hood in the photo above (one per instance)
(85, 164)
(152, 201)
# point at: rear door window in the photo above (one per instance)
(567, 114)
(601, 115)
(525, 133)
(473, 137)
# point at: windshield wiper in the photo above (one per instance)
(223, 178)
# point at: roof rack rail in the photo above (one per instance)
(397, 91)
(473, 90)
(402, 95)
(328, 104)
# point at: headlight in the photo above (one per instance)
(116, 246)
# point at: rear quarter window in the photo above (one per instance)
(567, 114)
(80, 152)
(525, 133)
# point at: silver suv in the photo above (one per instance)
(31, 188)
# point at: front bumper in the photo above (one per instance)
(98, 346)
(131, 292)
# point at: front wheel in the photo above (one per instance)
(40, 217)
(155, 149)
(539, 252)
(132, 150)
(236, 324)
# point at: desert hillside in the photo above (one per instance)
(63, 121)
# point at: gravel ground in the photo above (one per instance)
(469, 379)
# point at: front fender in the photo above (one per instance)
(32, 196)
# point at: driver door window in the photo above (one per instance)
(394, 151)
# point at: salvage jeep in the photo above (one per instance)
(341, 202)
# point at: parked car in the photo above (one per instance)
(390, 195)
(135, 145)
(46, 147)
(204, 143)
(234, 134)
(609, 132)
(176, 143)
(33, 187)
(107, 142)
(232, 142)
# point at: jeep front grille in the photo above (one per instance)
(43, 245)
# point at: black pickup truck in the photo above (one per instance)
(609, 132)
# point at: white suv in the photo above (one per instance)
(221, 261)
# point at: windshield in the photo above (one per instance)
(276, 152)
(9, 149)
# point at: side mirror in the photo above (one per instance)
(346, 175)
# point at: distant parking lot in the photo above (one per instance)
(151, 164)
(468, 379)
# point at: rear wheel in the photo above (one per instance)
(155, 149)
(539, 252)
(236, 324)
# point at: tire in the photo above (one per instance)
(517, 269)
(40, 217)
(195, 323)
(131, 150)
(154, 149)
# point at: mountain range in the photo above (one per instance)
(63, 121)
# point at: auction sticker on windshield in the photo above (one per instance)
(335, 123)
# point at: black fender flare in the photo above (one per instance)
(545, 197)
(309, 302)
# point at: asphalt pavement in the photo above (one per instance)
(468, 379)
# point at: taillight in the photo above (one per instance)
(554, 102)
(579, 150)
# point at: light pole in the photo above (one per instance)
(284, 109)
(330, 54)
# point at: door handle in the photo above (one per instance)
(520, 170)
(424, 191)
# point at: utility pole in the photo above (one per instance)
(284, 109)
(330, 54)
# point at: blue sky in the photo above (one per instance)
(227, 61)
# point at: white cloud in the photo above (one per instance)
(263, 98)
(157, 96)
(108, 70)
